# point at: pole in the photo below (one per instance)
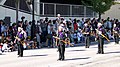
(39, 7)
(33, 22)
(17, 9)
(33, 17)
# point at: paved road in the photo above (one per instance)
(75, 57)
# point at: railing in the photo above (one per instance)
(53, 9)
(66, 10)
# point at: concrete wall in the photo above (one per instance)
(114, 12)
(5, 12)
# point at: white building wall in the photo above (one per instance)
(5, 12)
(114, 12)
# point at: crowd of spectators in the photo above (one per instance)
(46, 28)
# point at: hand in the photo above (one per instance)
(95, 39)
(100, 32)
(18, 39)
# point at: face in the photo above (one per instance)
(1, 22)
(15, 25)
(19, 30)
(2, 34)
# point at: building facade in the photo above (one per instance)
(44, 8)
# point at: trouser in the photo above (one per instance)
(61, 49)
(75, 40)
(50, 42)
(20, 50)
(87, 41)
(100, 45)
(116, 37)
(43, 36)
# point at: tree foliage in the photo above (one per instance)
(99, 6)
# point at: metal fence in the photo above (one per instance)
(66, 10)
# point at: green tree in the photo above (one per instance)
(99, 6)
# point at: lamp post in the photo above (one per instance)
(33, 17)
(33, 22)
(17, 2)
(31, 2)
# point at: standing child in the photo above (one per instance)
(75, 37)
(79, 35)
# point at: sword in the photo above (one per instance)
(66, 42)
(104, 36)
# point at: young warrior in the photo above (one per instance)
(116, 33)
(61, 45)
(20, 38)
(86, 33)
(100, 33)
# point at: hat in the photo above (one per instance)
(61, 24)
(19, 28)
(58, 15)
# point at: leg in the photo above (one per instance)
(102, 46)
(99, 46)
(117, 39)
(22, 50)
(63, 52)
(48, 43)
(85, 42)
(18, 49)
(88, 42)
(59, 49)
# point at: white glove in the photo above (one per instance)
(100, 32)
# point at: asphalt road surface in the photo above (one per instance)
(74, 57)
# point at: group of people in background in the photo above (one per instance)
(77, 30)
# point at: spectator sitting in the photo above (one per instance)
(9, 42)
(29, 43)
(5, 46)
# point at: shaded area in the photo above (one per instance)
(96, 43)
(23, 5)
(2, 54)
(112, 52)
(86, 63)
(97, 47)
(75, 50)
(36, 55)
(77, 58)
(63, 1)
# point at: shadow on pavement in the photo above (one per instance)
(2, 54)
(112, 52)
(97, 47)
(92, 43)
(75, 50)
(35, 55)
(77, 58)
